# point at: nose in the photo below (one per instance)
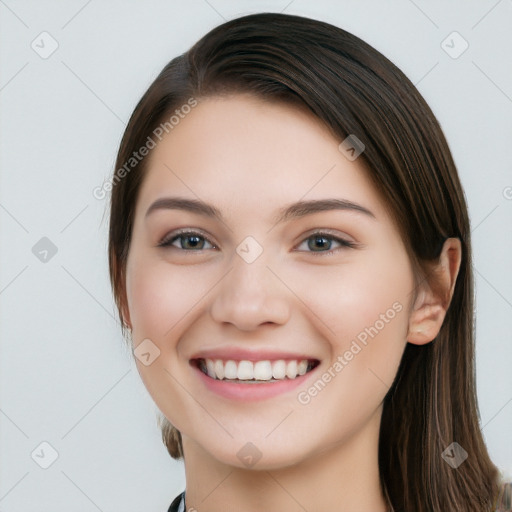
(250, 295)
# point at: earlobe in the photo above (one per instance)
(435, 295)
(425, 323)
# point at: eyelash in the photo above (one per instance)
(345, 244)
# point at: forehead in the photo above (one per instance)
(243, 152)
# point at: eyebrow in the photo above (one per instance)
(291, 211)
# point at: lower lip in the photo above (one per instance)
(249, 392)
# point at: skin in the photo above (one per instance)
(316, 456)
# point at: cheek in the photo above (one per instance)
(366, 311)
(349, 301)
(159, 298)
(361, 309)
(161, 302)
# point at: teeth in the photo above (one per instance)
(258, 371)
(230, 370)
(245, 370)
(291, 369)
(210, 368)
(218, 368)
(262, 370)
(279, 369)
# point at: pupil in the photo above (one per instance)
(194, 244)
(318, 240)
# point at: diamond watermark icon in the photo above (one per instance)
(351, 147)
(249, 454)
(44, 45)
(44, 455)
(455, 455)
(146, 352)
(249, 249)
(454, 45)
(44, 250)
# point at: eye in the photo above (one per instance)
(318, 242)
(190, 241)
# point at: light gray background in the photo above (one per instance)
(65, 376)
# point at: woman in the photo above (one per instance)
(290, 377)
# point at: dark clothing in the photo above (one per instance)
(505, 500)
(178, 505)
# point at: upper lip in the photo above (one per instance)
(245, 354)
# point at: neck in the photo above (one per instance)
(342, 477)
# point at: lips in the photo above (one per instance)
(246, 375)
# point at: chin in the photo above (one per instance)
(254, 457)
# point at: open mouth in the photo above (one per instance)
(255, 372)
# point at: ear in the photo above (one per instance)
(435, 295)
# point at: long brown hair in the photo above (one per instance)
(353, 89)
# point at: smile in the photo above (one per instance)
(247, 372)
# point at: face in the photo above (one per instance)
(304, 315)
